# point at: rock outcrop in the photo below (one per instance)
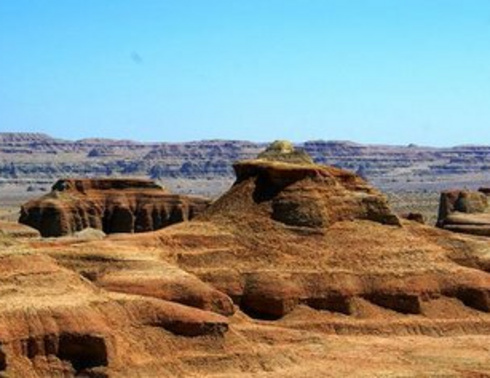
(296, 234)
(282, 150)
(296, 271)
(110, 205)
(304, 194)
(55, 323)
(465, 211)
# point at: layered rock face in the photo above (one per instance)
(111, 205)
(56, 323)
(304, 265)
(305, 234)
(307, 195)
(465, 211)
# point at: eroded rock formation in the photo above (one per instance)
(111, 205)
(292, 254)
(304, 194)
(306, 234)
(465, 211)
(56, 323)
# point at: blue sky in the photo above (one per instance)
(372, 71)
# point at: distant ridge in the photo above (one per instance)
(35, 136)
(37, 156)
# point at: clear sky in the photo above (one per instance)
(372, 71)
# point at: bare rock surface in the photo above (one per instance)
(55, 323)
(465, 211)
(14, 229)
(110, 205)
(321, 236)
(333, 285)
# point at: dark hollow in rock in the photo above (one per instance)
(266, 309)
(333, 303)
(82, 351)
(415, 217)
(3, 361)
(268, 297)
(403, 303)
(195, 329)
(479, 299)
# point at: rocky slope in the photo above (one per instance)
(298, 270)
(110, 205)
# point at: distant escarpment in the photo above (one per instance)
(39, 157)
(465, 211)
(111, 205)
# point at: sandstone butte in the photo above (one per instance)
(299, 270)
(110, 205)
(465, 211)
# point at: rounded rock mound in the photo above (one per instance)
(283, 150)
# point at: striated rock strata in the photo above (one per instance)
(111, 205)
(465, 211)
(55, 323)
(301, 234)
(298, 270)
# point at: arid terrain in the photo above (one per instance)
(412, 176)
(297, 270)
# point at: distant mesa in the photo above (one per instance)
(110, 205)
(465, 211)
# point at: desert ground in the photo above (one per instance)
(294, 270)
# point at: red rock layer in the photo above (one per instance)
(465, 211)
(111, 205)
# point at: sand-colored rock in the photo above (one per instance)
(110, 205)
(308, 234)
(465, 211)
(338, 287)
(415, 217)
(14, 229)
(54, 322)
(305, 195)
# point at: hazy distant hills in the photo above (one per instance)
(28, 157)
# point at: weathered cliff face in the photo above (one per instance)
(333, 261)
(111, 205)
(465, 211)
(304, 195)
(305, 234)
